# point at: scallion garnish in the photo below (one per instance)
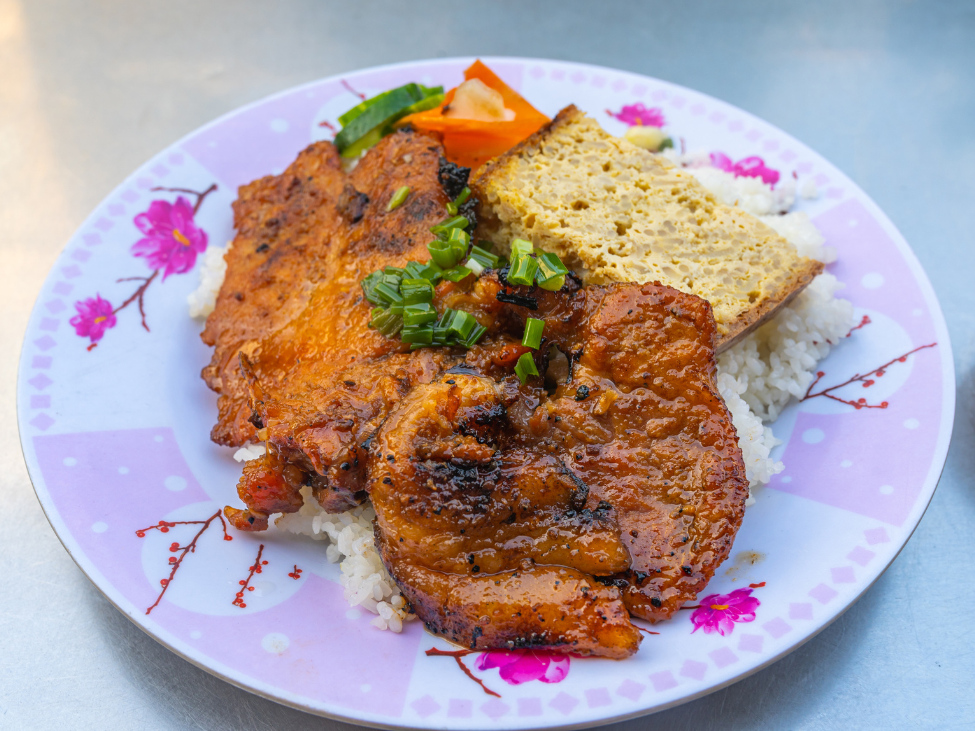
(415, 291)
(418, 314)
(369, 287)
(520, 248)
(522, 270)
(422, 335)
(398, 197)
(445, 226)
(456, 274)
(385, 321)
(525, 368)
(462, 324)
(551, 272)
(443, 253)
(476, 334)
(388, 294)
(475, 266)
(533, 333)
(485, 258)
(457, 202)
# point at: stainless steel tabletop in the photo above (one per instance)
(885, 90)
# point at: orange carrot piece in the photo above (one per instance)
(471, 142)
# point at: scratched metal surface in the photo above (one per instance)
(88, 91)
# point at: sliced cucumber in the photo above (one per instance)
(367, 123)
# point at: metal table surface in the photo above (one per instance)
(885, 90)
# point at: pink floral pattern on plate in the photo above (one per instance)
(172, 238)
(748, 167)
(95, 316)
(720, 612)
(637, 114)
(170, 245)
(522, 666)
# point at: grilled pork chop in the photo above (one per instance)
(315, 378)
(474, 474)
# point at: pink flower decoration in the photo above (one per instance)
(172, 239)
(719, 612)
(637, 114)
(749, 167)
(94, 317)
(521, 666)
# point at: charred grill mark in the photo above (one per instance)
(352, 204)
(517, 299)
(581, 494)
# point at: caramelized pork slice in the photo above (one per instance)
(291, 300)
(488, 537)
(638, 419)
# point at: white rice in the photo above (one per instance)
(757, 378)
(364, 578)
(214, 268)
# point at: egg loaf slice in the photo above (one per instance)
(617, 213)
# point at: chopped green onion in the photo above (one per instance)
(446, 317)
(464, 195)
(520, 247)
(386, 322)
(444, 255)
(459, 236)
(522, 270)
(398, 197)
(551, 272)
(533, 333)
(432, 273)
(456, 274)
(388, 294)
(393, 271)
(486, 258)
(475, 335)
(475, 266)
(445, 226)
(554, 284)
(459, 240)
(525, 368)
(457, 202)
(441, 335)
(418, 314)
(549, 265)
(415, 291)
(413, 270)
(462, 324)
(429, 271)
(369, 287)
(417, 335)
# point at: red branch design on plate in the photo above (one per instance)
(255, 568)
(866, 380)
(175, 562)
(296, 574)
(458, 655)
